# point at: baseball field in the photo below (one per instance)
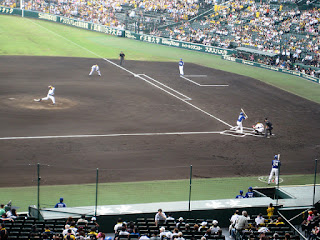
(141, 124)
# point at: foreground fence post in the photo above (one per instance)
(96, 206)
(38, 192)
(190, 187)
(315, 179)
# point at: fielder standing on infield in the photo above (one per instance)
(275, 169)
(181, 64)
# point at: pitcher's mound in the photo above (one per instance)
(29, 103)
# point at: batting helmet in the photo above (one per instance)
(275, 156)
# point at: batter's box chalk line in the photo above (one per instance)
(265, 179)
(246, 132)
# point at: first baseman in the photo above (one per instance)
(95, 68)
(275, 169)
(49, 95)
(181, 64)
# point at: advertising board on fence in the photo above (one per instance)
(273, 68)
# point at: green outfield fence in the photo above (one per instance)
(43, 185)
(225, 53)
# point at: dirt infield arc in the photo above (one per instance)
(144, 128)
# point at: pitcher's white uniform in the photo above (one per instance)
(275, 170)
(95, 68)
(50, 95)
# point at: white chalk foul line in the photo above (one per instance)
(204, 85)
(186, 97)
(136, 75)
(195, 75)
(108, 135)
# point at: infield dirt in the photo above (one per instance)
(148, 133)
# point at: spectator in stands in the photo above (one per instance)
(154, 236)
(123, 231)
(93, 232)
(82, 220)
(60, 204)
(101, 236)
(13, 213)
(3, 232)
(259, 220)
(164, 233)
(196, 227)
(250, 193)
(144, 237)
(5, 218)
(214, 228)
(203, 227)
(69, 220)
(2, 211)
(118, 225)
(94, 221)
(70, 234)
(279, 221)
(175, 233)
(34, 232)
(233, 220)
(180, 236)
(270, 210)
(65, 231)
(241, 224)
(160, 217)
(170, 218)
(180, 222)
(73, 227)
(47, 234)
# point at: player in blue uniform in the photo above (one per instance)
(181, 64)
(249, 194)
(240, 195)
(239, 122)
(60, 204)
(275, 169)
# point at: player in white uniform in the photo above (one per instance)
(239, 122)
(95, 68)
(50, 95)
(181, 64)
(275, 170)
(258, 128)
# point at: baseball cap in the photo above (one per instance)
(241, 191)
(93, 219)
(181, 219)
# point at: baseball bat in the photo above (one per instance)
(244, 113)
(278, 156)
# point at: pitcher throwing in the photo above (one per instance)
(50, 95)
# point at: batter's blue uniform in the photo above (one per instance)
(275, 169)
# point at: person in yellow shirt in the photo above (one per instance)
(270, 210)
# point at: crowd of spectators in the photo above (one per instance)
(166, 227)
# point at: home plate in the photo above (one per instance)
(12, 98)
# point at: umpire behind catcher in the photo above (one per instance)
(268, 128)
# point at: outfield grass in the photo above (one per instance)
(52, 39)
(139, 192)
